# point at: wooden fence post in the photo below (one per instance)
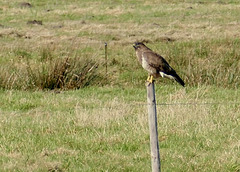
(152, 117)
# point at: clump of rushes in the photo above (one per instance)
(64, 73)
(52, 73)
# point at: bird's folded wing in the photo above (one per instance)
(158, 62)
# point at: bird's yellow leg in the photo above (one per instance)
(150, 79)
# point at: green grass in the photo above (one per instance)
(50, 123)
(100, 129)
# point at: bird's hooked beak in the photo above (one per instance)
(135, 46)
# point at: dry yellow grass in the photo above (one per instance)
(185, 21)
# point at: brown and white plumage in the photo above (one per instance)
(155, 64)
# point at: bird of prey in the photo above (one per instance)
(155, 64)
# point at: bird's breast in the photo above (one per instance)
(146, 66)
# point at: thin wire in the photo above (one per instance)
(193, 104)
(165, 104)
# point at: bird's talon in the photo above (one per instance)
(150, 79)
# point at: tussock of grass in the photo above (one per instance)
(51, 73)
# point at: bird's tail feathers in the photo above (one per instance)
(179, 80)
(173, 76)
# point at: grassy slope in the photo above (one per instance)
(100, 129)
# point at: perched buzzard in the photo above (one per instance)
(155, 64)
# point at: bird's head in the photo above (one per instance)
(138, 45)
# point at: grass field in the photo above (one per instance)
(59, 111)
